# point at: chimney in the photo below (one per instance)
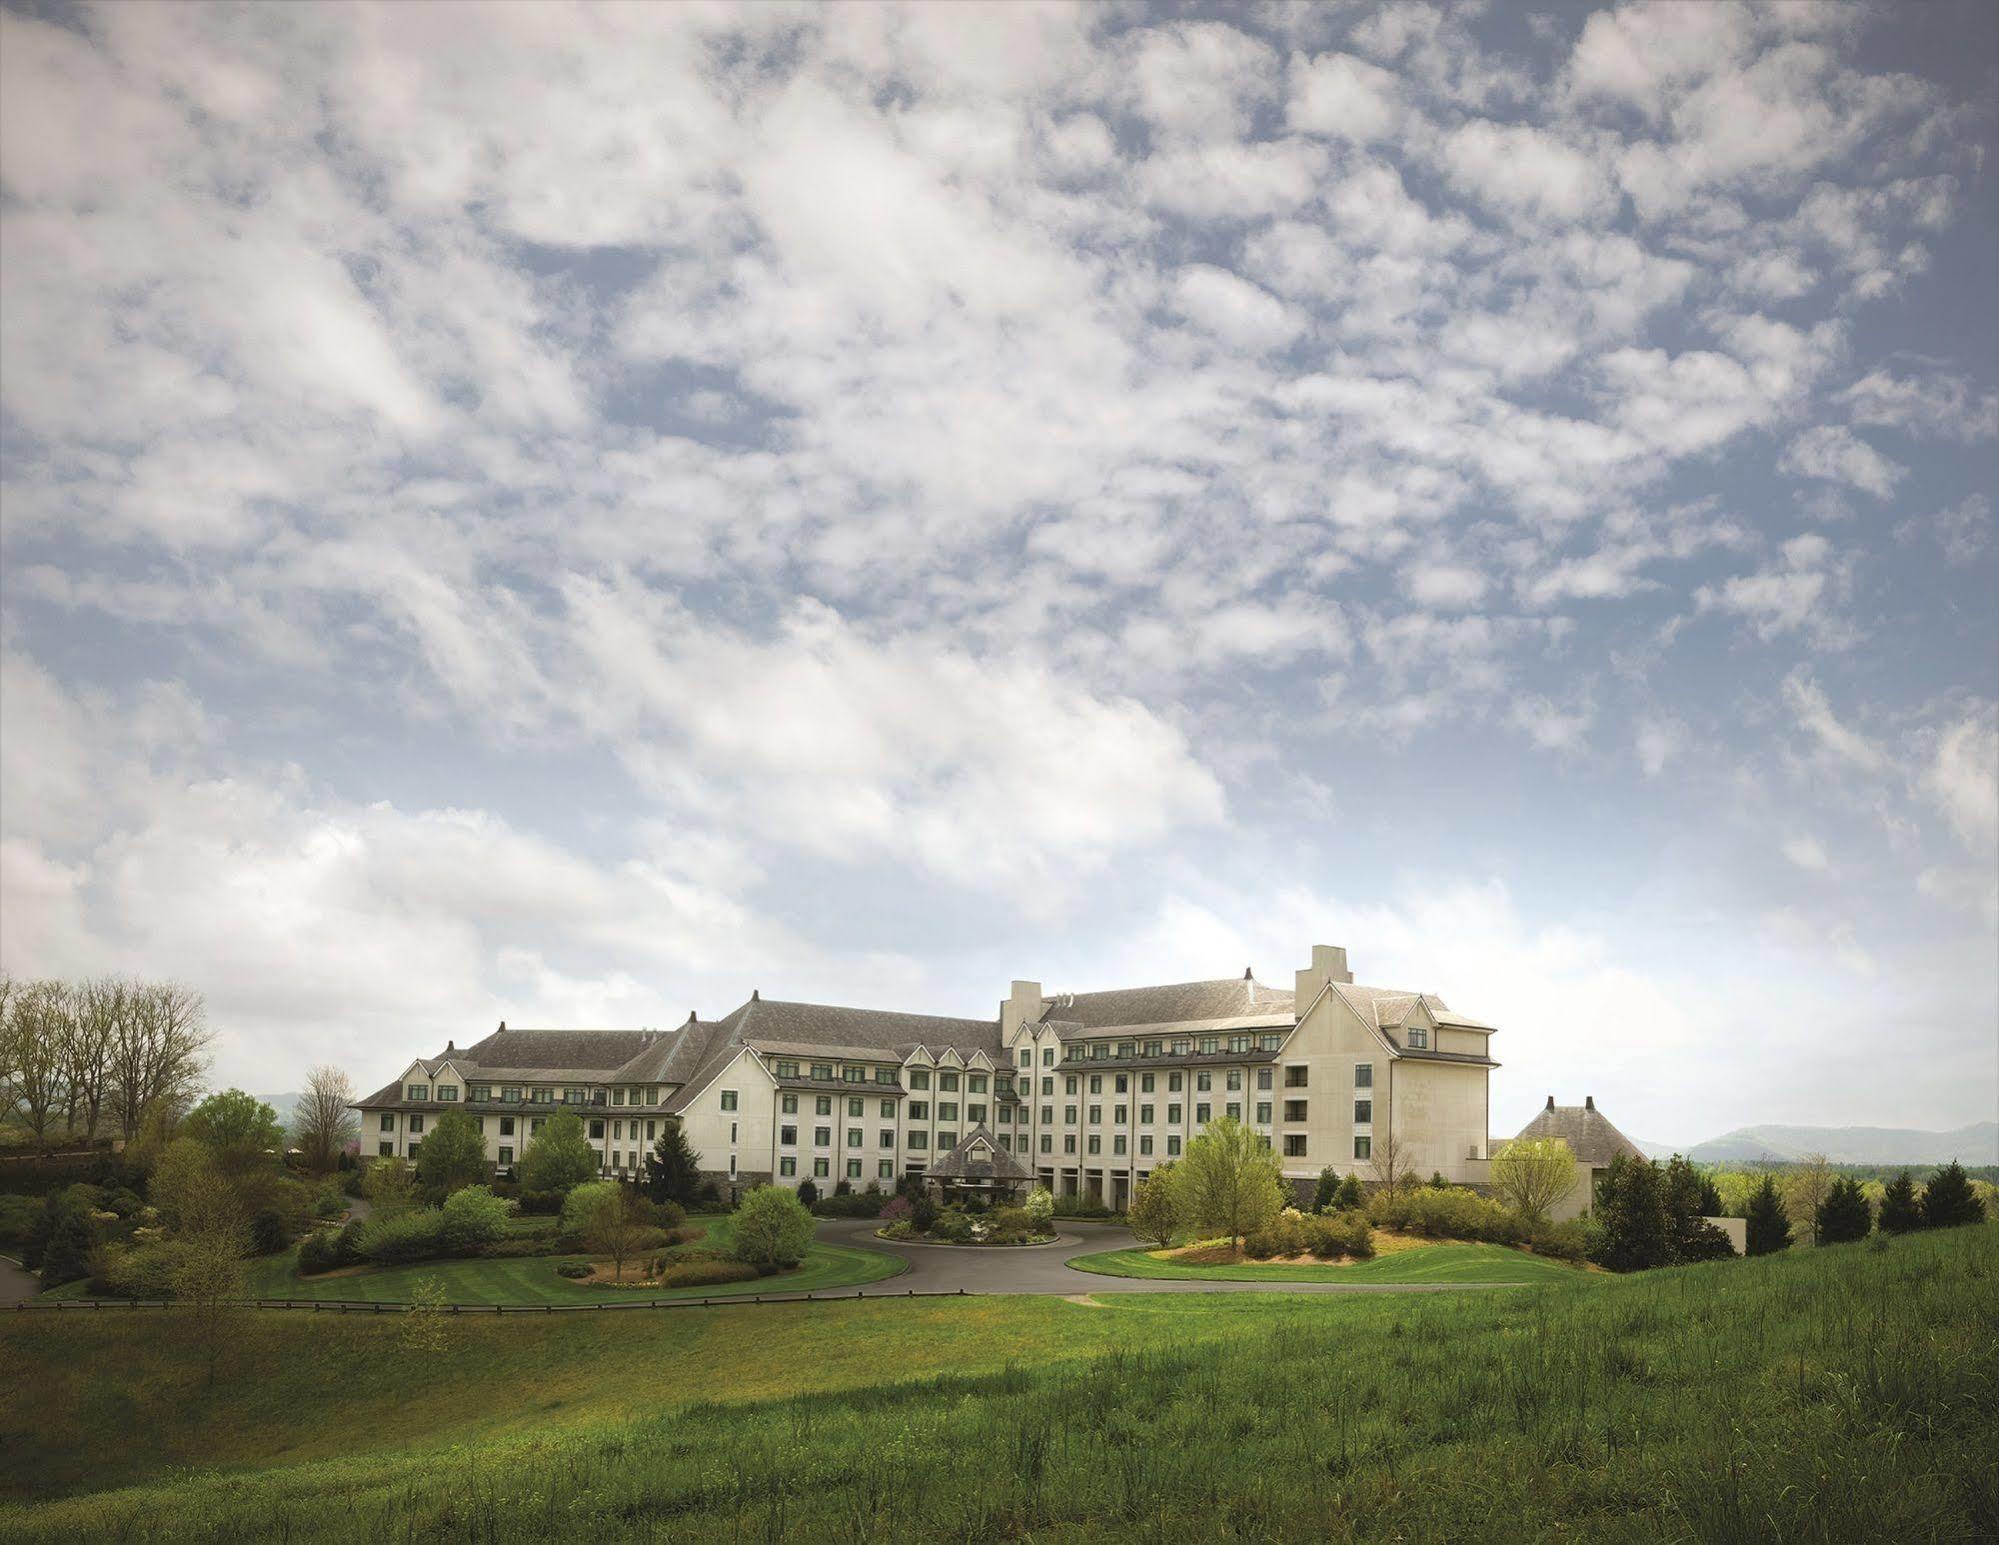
(1024, 1005)
(1551, 1102)
(503, 1027)
(690, 1016)
(1329, 964)
(1249, 973)
(755, 996)
(450, 1047)
(1589, 1102)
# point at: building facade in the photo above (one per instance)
(1089, 1091)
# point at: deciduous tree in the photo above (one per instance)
(559, 1156)
(1155, 1207)
(1388, 1161)
(1229, 1181)
(771, 1229)
(1805, 1191)
(615, 1224)
(390, 1187)
(323, 1122)
(1534, 1176)
(452, 1155)
(240, 1130)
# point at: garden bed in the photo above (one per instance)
(967, 1244)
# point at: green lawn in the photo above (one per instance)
(1431, 1263)
(532, 1279)
(1837, 1394)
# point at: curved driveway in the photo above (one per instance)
(1040, 1268)
(17, 1284)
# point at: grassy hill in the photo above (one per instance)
(1834, 1394)
(1431, 1263)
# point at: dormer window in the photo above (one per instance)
(1027, 1056)
(447, 1091)
(1419, 1038)
(1271, 1041)
(919, 1078)
(822, 1071)
(419, 1091)
(884, 1075)
(787, 1070)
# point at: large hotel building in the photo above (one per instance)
(1087, 1090)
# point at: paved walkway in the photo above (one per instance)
(16, 1284)
(1041, 1269)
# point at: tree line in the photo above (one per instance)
(77, 1056)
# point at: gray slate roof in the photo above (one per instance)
(996, 1163)
(1585, 1129)
(1234, 997)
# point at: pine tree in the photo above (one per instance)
(1689, 1236)
(1328, 1190)
(1769, 1227)
(1949, 1201)
(1632, 1210)
(1351, 1195)
(808, 1193)
(1901, 1211)
(1843, 1216)
(673, 1173)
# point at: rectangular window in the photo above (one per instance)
(1144, 1143)
(416, 1123)
(597, 1130)
(1172, 1146)
(1238, 1043)
(1047, 1087)
(1047, 1142)
(618, 1131)
(1294, 1145)
(886, 1169)
(1047, 1113)
(1096, 1083)
(1117, 1143)
(1145, 1083)
(822, 1071)
(947, 1110)
(887, 1137)
(732, 1166)
(854, 1073)
(1174, 1082)
(1363, 1147)
(853, 1169)
(511, 1094)
(728, 1099)
(652, 1130)
(1069, 1115)
(1096, 1115)
(1173, 1115)
(1263, 1078)
(948, 1080)
(919, 1078)
(1271, 1041)
(506, 1154)
(1121, 1114)
(974, 1114)
(1204, 1081)
(1099, 1050)
(1069, 1143)
(1297, 1076)
(854, 1137)
(506, 1126)
(572, 1096)
(535, 1124)
(787, 1166)
(822, 1137)
(1048, 1056)
(822, 1105)
(856, 1107)
(1363, 1075)
(1234, 1110)
(919, 1139)
(787, 1104)
(386, 1150)
(1363, 1113)
(1235, 1078)
(1263, 1112)
(888, 1110)
(884, 1075)
(975, 1083)
(1210, 1044)
(480, 1092)
(1027, 1056)
(1145, 1115)
(787, 1137)
(1201, 1114)
(1294, 1110)
(419, 1091)
(787, 1070)
(388, 1121)
(1419, 1038)
(821, 1168)
(919, 1110)
(1069, 1084)
(946, 1139)
(617, 1096)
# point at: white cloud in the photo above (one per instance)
(1936, 405)
(1837, 455)
(1550, 726)
(1808, 853)
(1445, 586)
(1526, 170)
(1963, 777)
(1658, 742)
(1344, 98)
(1790, 594)
(1833, 739)
(1234, 310)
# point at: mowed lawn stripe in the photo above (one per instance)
(1430, 1263)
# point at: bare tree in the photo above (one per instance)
(8, 1098)
(159, 1050)
(87, 1050)
(38, 1034)
(1806, 1189)
(1388, 1159)
(322, 1123)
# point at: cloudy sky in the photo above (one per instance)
(568, 515)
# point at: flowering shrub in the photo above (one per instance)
(1041, 1209)
(897, 1210)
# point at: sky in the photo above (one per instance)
(570, 515)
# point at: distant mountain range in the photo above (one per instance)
(1975, 1144)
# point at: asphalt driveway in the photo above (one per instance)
(1041, 1268)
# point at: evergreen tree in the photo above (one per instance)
(452, 1155)
(1769, 1226)
(1901, 1211)
(1632, 1211)
(1689, 1236)
(1948, 1199)
(673, 1173)
(1843, 1216)
(1351, 1194)
(808, 1193)
(1327, 1194)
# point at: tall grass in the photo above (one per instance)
(1837, 1394)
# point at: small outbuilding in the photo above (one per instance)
(1591, 1138)
(979, 1167)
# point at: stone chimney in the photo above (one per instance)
(1329, 964)
(503, 1027)
(1024, 1004)
(1551, 1102)
(1589, 1102)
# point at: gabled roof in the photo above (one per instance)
(979, 1157)
(547, 1051)
(1585, 1129)
(1234, 997)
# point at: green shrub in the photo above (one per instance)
(1560, 1241)
(1452, 1213)
(1337, 1235)
(922, 1214)
(417, 1235)
(326, 1250)
(672, 1216)
(20, 1216)
(540, 1204)
(901, 1228)
(574, 1270)
(1014, 1220)
(473, 1219)
(850, 1204)
(1080, 1207)
(953, 1228)
(707, 1273)
(772, 1229)
(1040, 1206)
(139, 1271)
